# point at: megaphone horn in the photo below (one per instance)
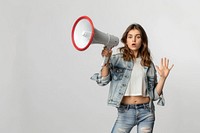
(84, 34)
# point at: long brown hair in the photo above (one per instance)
(144, 52)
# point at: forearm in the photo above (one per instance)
(105, 71)
(160, 85)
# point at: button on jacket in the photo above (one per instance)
(119, 76)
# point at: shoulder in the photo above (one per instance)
(117, 55)
(117, 58)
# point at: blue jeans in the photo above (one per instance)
(132, 115)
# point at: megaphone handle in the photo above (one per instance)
(105, 61)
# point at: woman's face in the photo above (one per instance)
(134, 40)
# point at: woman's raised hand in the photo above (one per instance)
(164, 68)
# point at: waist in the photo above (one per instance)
(135, 100)
(135, 106)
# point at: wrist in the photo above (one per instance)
(106, 65)
(162, 78)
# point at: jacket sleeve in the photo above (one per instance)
(161, 99)
(102, 81)
(152, 79)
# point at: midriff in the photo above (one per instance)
(135, 100)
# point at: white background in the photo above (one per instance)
(45, 84)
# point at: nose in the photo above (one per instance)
(134, 39)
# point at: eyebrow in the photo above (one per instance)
(132, 34)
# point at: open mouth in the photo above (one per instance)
(133, 44)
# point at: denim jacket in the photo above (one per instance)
(119, 76)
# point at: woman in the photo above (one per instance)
(133, 82)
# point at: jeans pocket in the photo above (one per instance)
(147, 107)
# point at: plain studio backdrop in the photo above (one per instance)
(45, 84)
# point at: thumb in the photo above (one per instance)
(157, 68)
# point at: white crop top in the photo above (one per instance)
(136, 85)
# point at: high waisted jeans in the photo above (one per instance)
(132, 115)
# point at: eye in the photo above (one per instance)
(129, 37)
(138, 37)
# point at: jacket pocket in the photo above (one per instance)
(117, 73)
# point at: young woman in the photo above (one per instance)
(133, 82)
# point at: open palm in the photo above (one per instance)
(164, 69)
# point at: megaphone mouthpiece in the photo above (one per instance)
(86, 34)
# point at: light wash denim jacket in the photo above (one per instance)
(119, 76)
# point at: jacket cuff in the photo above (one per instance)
(101, 80)
(161, 99)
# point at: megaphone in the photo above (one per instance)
(84, 34)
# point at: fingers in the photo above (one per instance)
(165, 63)
(157, 68)
(106, 52)
(171, 67)
(161, 62)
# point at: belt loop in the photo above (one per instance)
(128, 107)
(136, 106)
(145, 107)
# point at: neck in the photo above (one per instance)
(135, 53)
